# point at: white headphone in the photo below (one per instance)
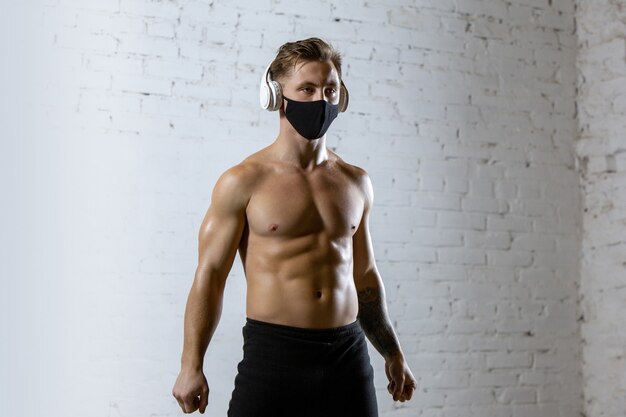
(271, 96)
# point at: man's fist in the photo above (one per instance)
(401, 381)
(191, 390)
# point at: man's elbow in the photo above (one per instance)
(367, 279)
(210, 281)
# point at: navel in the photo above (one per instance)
(318, 294)
(273, 227)
(352, 227)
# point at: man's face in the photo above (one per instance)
(312, 80)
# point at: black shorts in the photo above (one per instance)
(299, 372)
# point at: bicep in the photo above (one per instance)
(222, 226)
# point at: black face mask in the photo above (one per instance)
(311, 118)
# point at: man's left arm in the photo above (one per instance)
(373, 315)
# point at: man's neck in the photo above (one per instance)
(303, 153)
(294, 149)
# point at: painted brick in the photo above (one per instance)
(476, 120)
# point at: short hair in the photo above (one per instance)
(311, 49)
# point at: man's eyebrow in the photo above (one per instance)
(303, 83)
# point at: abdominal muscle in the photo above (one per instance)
(311, 289)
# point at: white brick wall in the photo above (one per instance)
(600, 148)
(463, 113)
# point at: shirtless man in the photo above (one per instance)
(298, 214)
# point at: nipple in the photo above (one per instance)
(273, 227)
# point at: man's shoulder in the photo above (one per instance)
(356, 172)
(358, 175)
(239, 179)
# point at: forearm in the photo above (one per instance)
(374, 319)
(202, 314)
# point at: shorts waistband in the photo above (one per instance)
(341, 331)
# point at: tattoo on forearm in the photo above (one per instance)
(375, 323)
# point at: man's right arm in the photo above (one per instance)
(218, 240)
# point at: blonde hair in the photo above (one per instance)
(311, 49)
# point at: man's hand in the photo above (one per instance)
(401, 381)
(191, 390)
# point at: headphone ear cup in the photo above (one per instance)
(275, 95)
(344, 97)
(264, 96)
(278, 95)
(272, 98)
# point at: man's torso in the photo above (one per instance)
(296, 246)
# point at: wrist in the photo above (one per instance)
(396, 355)
(191, 368)
(191, 364)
